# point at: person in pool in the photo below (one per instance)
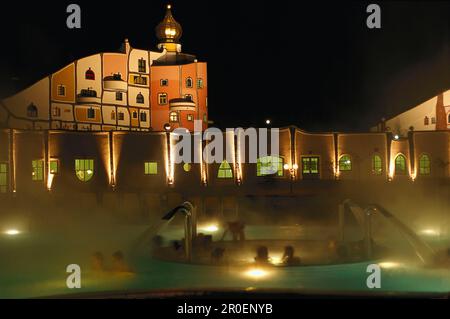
(262, 255)
(119, 264)
(98, 261)
(289, 257)
(237, 230)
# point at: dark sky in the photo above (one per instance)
(315, 65)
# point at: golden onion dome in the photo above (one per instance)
(168, 30)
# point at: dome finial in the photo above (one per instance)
(169, 31)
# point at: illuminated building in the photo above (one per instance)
(133, 90)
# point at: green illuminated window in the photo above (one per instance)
(84, 169)
(424, 165)
(345, 163)
(400, 165)
(310, 165)
(377, 165)
(38, 170)
(54, 166)
(3, 177)
(269, 165)
(150, 168)
(225, 170)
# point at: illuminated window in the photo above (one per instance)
(164, 82)
(377, 165)
(173, 117)
(54, 166)
(3, 177)
(32, 110)
(424, 165)
(61, 90)
(199, 83)
(310, 166)
(142, 65)
(150, 168)
(205, 118)
(345, 163)
(84, 169)
(162, 98)
(189, 83)
(225, 170)
(400, 165)
(140, 98)
(119, 96)
(91, 113)
(143, 117)
(140, 80)
(56, 111)
(269, 165)
(187, 167)
(89, 75)
(190, 117)
(38, 170)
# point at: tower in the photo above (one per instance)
(169, 32)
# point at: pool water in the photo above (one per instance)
(34, 265)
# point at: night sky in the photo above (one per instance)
(316, 66)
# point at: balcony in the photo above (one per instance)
(88, 96)
(181, 104)
(115, 83)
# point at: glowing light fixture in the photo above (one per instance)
(286, 166)
(256, 273)
(12, 232)
(396, 137)
(268, 122)
(209, 228)
(389, 264)
(430, 232)
(295, 166)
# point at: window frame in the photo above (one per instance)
(4, 177)
(37, 170)
(376, 159)
(160, 98)
(59, 88)
(280, 168)
(161, 82)
(85, 169)
(344, 166)
(226, 169)
(424, 158)
(177, 117)
(402, 171)
(190, 81)
(148, 165)
(140, 98)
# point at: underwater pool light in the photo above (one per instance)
(389, 264)
(256, 273)
(430, 232)
(12, 232)
(209, 228)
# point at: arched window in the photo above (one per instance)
(424, 165)
(345, 163)
(189, 83)
(84, 169)
(140, 98)
(400, 165)
(32, 110)
(269, 165)
(173, 117)
(89, 75)
(225, 170)
(377, 165)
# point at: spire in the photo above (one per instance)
(169, 32)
